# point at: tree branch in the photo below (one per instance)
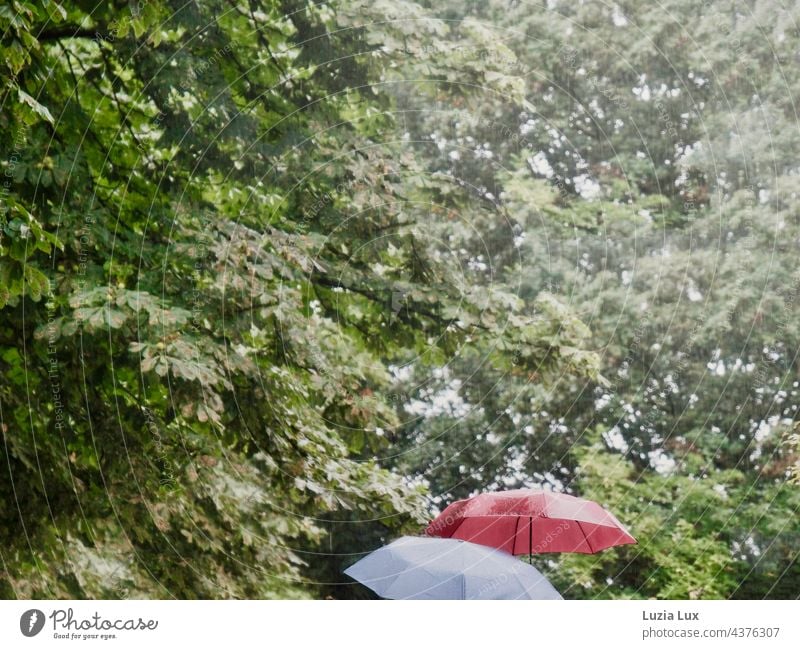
(67, 32)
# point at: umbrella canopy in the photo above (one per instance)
(528, 521)
(428, 568)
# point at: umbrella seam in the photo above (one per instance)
(588, 542)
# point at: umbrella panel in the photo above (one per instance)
(434, 568)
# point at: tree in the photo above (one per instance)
(213, 247)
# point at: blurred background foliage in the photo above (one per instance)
(279, 280)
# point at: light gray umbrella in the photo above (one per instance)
(436, 568)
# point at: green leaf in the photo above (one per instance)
(37, 108)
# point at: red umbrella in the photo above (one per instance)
(527, 521)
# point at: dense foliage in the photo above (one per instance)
(655, 182)
(211, 252)
(278, 279)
